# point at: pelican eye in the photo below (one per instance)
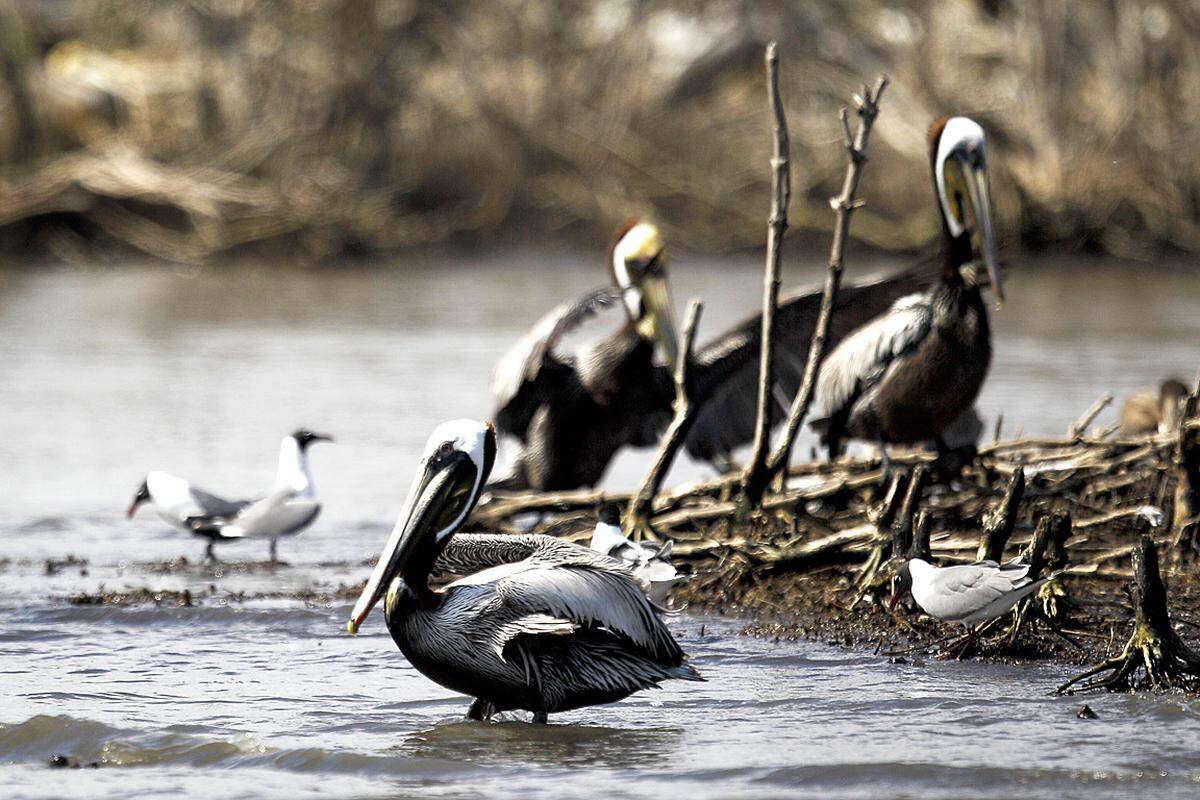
(445, 450)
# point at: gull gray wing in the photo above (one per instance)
(958, 592)
(726, 370)
(530, 370)
(212, 505)
(280, 513)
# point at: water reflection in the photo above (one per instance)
(565, 744)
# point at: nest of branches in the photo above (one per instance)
(785, 542)
(818, 553)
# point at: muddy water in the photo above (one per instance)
(254, 691)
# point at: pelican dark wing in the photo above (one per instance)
(726, 370)
(469, 553)
(857, 366)
(531, 371)
(577, 584)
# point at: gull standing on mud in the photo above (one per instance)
(290, 506)
(908, 374)
(545, 626)
(969, 594)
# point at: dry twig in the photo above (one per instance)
(755, 477)
(636, 521)
(844, 205)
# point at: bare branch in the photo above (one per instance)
(638, 511)
(1080, 425)
(998, 524)
(755, 477)
(843, 205)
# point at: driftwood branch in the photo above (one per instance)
(1154, 657)
(998, 524)
(638, 511)
(1186, 462)
(1048, 546)
(902, 529)
(922, 528)
(756, 475)
(867, 108)
(1080, 425)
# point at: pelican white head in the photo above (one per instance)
(639, 266)
(961, 178)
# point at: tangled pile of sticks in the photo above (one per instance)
(1095, 507)
(1087, 505)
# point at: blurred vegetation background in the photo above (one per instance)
(188, 129)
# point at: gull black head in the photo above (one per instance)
(639, 268)
(610, 514)
(958, 157)
(304, 437)
(457, 461)
(901, 584)
(141, 496)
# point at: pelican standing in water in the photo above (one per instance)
(544, 626)
(906, 375)
(574, 411)
(290, 507)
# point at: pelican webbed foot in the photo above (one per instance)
(540, 718)
(481, 710)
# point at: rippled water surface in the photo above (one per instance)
(255, 691)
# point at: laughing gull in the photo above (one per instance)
(287, 509)
(650, 564)
(969, 594)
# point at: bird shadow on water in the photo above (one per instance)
(553, 745)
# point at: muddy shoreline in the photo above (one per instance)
(815, 561)
(812, 605)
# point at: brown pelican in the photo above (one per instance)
(969, 594)
(290, 506)
(909, 373)
(1146, 412)
(573, 412)
(546, 626)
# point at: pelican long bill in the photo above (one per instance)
(438, 495)
(660, 317)
(981, 209)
